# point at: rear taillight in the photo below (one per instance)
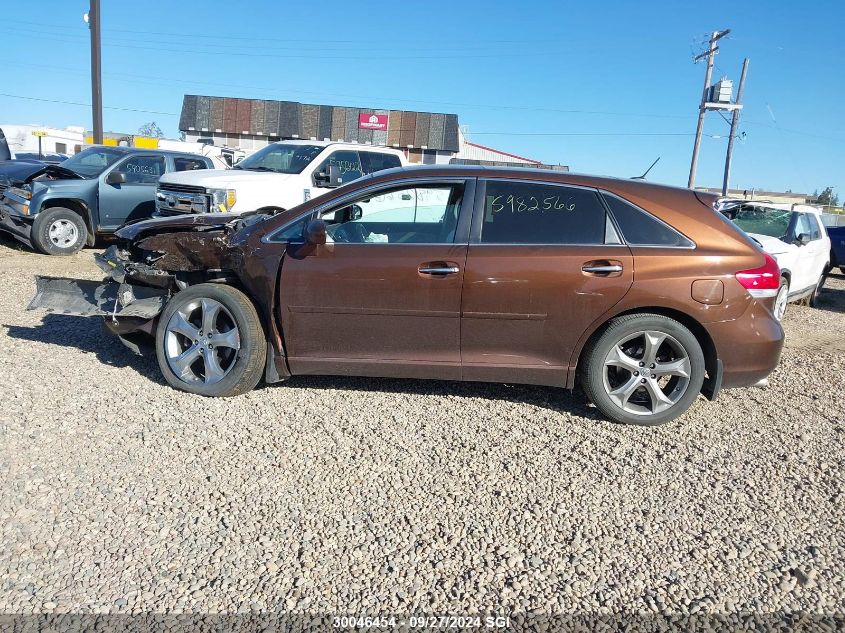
(763, 281)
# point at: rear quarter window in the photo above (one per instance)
(372, 162)
(640, 228)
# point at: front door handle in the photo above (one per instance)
(439, 268)
(602, 268)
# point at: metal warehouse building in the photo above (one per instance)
(250, 124)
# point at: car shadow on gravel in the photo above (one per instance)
(87, 334)
(554, 399)
(832, 298)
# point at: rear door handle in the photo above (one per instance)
(602, 268)
(438, 268)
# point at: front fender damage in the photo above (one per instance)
(153, 261)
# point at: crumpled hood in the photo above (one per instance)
(189, 222)
(772, 245)
(184, 222)
(222, 178)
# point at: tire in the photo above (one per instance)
(813, 301)
(59, 231)
(627, 398)
(781, 300)
(226, 361)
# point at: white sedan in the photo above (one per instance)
(794, 235)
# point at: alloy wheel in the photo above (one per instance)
(201, 342)
(647, 372)
(63, 233)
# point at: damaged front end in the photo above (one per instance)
(153, 260)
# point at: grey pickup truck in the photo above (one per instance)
(58, 209)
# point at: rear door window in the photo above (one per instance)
(539, 213)
(372, 162)
(348, 163)
(181, 163)
(640, 228)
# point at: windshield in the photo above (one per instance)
(281, 158)
(92, 161)
(761, 220)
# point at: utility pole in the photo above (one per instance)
(734, 124)
(709, 54)
(96, 72)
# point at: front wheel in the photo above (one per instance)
(210, 341)
(645, 369)
(59, 231)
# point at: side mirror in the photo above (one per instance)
(802, 239)
(315, 233)
(116, 178)
(329, 179)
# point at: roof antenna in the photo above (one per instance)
(645, 173)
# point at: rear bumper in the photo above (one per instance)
(749, 347)
(16, 224)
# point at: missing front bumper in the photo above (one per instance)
(96, 298)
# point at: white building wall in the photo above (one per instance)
(62, 141)
(474, 151)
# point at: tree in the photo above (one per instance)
(151, 129)
(827, 197)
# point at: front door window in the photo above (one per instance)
(411, 215)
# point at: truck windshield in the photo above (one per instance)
(282, 158)
(761, 220)
(92, 161)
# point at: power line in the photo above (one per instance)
(241, 36)
(77, 103)
(87, 105)
(297, 47)
(314, 55)
(158, 79)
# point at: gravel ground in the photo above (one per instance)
(354, 496)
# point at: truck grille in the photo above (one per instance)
(177, 199)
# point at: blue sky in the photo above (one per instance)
(605, 87)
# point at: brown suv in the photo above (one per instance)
(641, 293)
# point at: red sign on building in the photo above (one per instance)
(372, 121)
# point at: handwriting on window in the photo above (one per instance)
(526, 204)
(346, 166)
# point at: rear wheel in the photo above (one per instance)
(814, 298)
(645, 369)
(782, 299)
(59, 231)
(210, 341)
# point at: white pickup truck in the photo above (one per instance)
(279, 176)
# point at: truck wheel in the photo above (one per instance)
(645, 369)
(782, 299)
(59, 231)
(210, 341)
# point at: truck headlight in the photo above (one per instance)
(223, 199)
